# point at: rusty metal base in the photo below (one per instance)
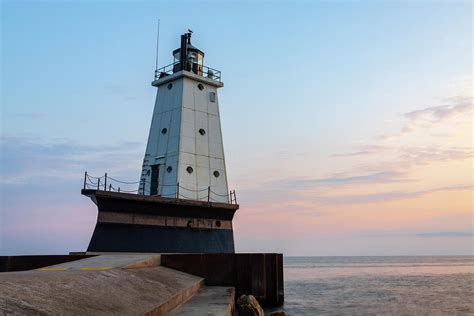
(141, 238)
(138, 223)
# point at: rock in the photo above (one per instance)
(278, 313)
(247, 305)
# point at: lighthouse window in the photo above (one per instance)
(170, 85)
(189, 169)
(163, 131)
(202, 131)
(216, 174)
(201, 87)
(169, 169)
(212, 96)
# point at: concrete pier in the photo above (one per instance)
(126, 283)
(110, 284)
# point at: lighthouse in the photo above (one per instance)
(183, 203)
(181, 207)
(184, 156)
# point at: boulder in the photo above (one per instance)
(247, 305)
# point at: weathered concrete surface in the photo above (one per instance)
(155, 290)
(111, 261)
(131, 283)
(213, 300)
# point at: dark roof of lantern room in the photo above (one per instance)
(190, 48)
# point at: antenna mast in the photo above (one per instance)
(157, 44)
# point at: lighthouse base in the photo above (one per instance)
(139, 223)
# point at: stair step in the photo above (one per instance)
(210, 300)
(123, 284)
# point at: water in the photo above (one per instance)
(379, 285)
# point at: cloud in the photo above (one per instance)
(338, 179)
(418, 143)
(430, 234)
(404, 160)
(387, 196)
(28, 160)
(447, 234)
(42, 209)
(428, 154)
(303, 195)
(377, 165)
(288, 153)
(438, 113)
(365, 150)
(460, 107)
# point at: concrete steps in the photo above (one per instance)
(210, 300)
(111, 284)
(125, 284)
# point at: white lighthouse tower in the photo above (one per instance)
(185, 156)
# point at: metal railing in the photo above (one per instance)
(107, 183)
(200, 70)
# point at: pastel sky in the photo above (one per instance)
(347, 126)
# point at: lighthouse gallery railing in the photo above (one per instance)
(201, 70)
(107, 183)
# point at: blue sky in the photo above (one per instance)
(326, 105)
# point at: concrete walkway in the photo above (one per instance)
(107, 262)
(108, 284)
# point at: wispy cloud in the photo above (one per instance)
(423, 234)
(438, 113)
(428, 154)
(418, 143)
(339, 179)
(428, 117)
(365, 150)
(447, 234)
(26, 160)
(387, 196)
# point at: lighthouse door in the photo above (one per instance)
(155, 171)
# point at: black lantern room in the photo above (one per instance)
(188, 57)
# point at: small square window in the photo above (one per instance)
(212, 96)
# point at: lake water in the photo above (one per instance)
(379, 285)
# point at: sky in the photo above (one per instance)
(347, 126)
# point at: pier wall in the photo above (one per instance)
(259, 274)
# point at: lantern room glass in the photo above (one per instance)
(193, 57)
(195, 61)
